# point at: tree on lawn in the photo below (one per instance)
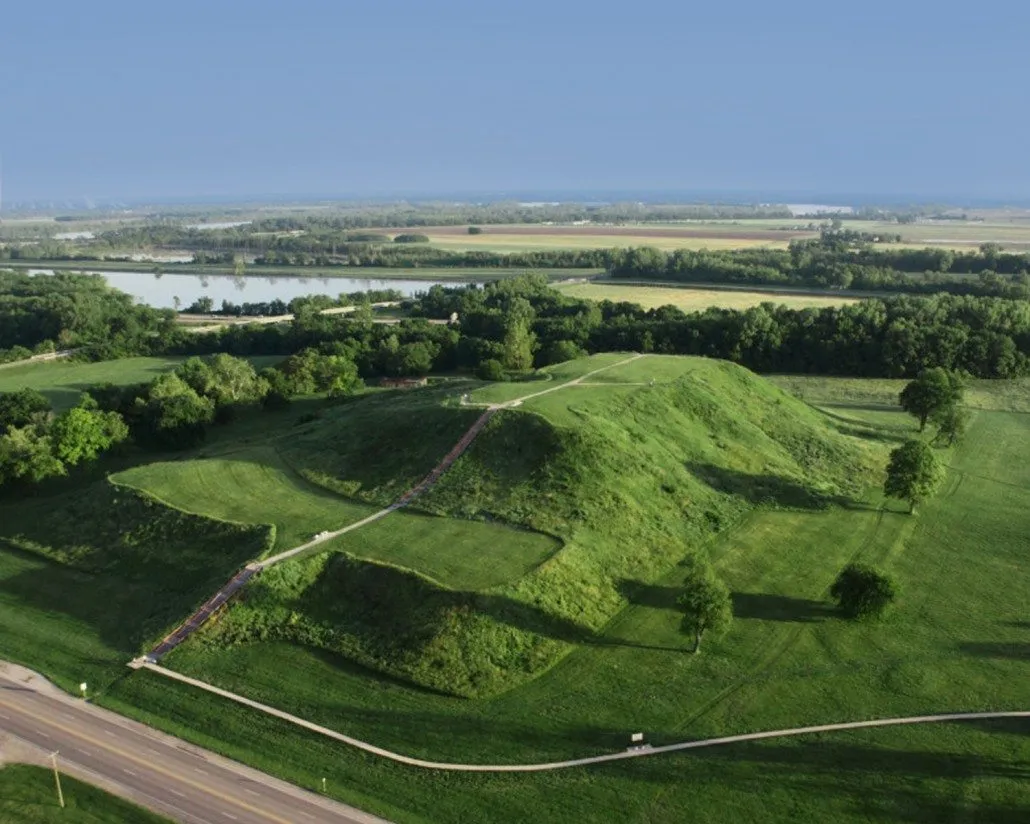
(932, 391)
(860, 591)
(951, 422)
(705, 603)
(913, 473)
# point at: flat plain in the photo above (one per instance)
(695, 300)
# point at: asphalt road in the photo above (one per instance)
(169, 776)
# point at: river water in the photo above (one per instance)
(161, 291)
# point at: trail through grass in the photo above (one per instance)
(787, 660)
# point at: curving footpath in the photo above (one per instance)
(642, 751)
(238, 581)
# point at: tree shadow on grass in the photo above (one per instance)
(765, 607)
(654, 596)
(1017, 651)
(774, 490)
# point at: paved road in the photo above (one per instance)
(167, 775)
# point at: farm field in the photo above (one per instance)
(787, 660)
(695, 300)
(27, 796)
(1011, 232)
(64, 381)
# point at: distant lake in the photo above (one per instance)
(160, 291)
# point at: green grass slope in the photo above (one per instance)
(88, 577)
(957, 640)
(630, 482)
(28, 796)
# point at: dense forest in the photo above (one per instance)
(831, 262)
(63, 311)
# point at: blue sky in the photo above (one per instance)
(381, 97)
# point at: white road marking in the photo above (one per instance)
(5, 716)
(38, 732)
(130, 772)
(229, 815)
(250, 792)
(176, 792)
(202, 772)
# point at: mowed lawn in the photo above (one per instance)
(256, 486)
(958, 640)
(252, 486)
(695, 300)
(549, 377)
(64, 381)
(28, 796)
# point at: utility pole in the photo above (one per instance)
(57, 779)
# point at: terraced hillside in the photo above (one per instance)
(628, 476)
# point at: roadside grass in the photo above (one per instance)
(28, 796)
(958, 640)
(64, 381)
(90, 576)
(694, 300)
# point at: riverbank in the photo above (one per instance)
(456, 274)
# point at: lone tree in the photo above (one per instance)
(860, 591)
(705, 603)
(932, 391)
(951, 422)
(913, 473)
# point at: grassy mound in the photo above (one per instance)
(631, 481)
(89, 577)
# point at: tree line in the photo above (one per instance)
(521, 322)
(65, 311)
(829, 263)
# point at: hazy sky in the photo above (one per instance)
(379, 97)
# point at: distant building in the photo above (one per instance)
(403, 383)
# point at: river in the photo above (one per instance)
(161, 291)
